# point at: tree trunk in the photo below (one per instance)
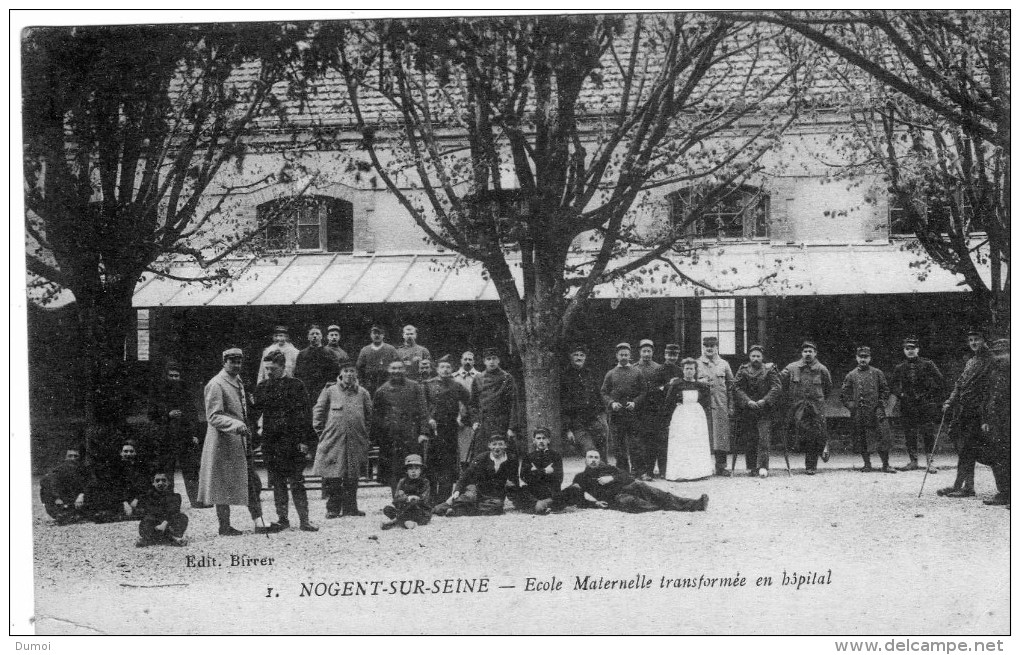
(104, 320)
(542, 390)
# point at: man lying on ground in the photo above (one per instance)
(612, 488)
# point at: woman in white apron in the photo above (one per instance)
(689, 456)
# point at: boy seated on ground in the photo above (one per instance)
(412, 498)
(611, 488)
(541, 471)
(62, 491)
(159, 509)
(114, 491)
(483, 486)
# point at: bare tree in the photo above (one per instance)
(125, 131)
(931, 112)
(513, 140)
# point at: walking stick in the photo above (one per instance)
(931, 455)
(786, 449)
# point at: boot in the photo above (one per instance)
(910, 466)
(884, 454)
(351, 499)
(867, 463)
(223, 516)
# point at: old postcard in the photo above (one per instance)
(688, 323)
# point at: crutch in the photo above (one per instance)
(931, 455)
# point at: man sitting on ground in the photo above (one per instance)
(63, 490)
(612, 488)
(483, 487)
(162, 521)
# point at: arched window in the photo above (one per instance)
(742, 212)
(308, 223)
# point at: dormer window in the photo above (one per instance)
(741, 212)
(308, 223)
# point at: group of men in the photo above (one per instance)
(629, 403)
(464, 428)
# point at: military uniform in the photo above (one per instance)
(483, 487)
(623, 493)
(995, 414)
(918, 384)
(806, 386)
(495, 408)
(445, 398)
(581, 408)
(64, 483)
(623, 385)
(659, 414)
(754, 424)
(400, 415)
(969, 394)
(865, 392)
(177, 434)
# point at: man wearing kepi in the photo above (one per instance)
(225, 476)
(374, 360)
(581, 404)
(448, 405)
(333, 343)
(341, 418)
(401, 422)
(316, 364)
(865, 392)
(756, 391)
(969, 394)
(623, 392)
(806, 383)
(716, 371)
(612, 488)
(411, 353)
(918, 384)
(494, 407)
(287, 437)
(281, 342)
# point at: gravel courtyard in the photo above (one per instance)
(882, 562)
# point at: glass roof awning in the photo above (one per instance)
(739, 270)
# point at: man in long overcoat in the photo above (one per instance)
(287, 437)
(401, 421)
(716, 371)
(581, 405)
(995, 423)
(969, 394)
(341, 418)
(494, 406)
(865, 393)
(225, 475)
(806, 383)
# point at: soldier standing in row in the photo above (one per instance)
(757, 391)
(411, 353)
(806, 383)
(333, 343)
(969, 395)
(865, 392)
(448, 403)
(281, 342)
(659, 411)
(374, 360)
(918, 384)
(316, 365)
(172, 409)
(623, 392)
(287, 437)
(580, 403)
(716, 371)
(494, 406)
(400, 414)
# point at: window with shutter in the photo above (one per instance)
(307, 223)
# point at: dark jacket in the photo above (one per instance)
(675, 393)
(400, 413)
(971, 388)
(483, 474)
(995, 412)
(579, 393)
(373, 364)
(588, 481)
(316, 367)
(65, 482)
(917, 382)
(158, 506)
(541, 483)
(445, 396)
(283, 405)
(494, 403)
(864, 393)
(624, 384)
(408, 487)
(658, 386)
(757, 385)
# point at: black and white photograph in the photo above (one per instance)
(560, 322)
